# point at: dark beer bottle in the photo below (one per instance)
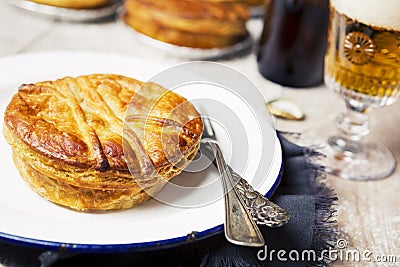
(293, 43)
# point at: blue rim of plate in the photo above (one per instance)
(136, 247)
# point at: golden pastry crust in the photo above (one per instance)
(246, 2)
(181, 38)
(201, 24)
(191, 17)
(67, 137)
(192, 10)
(77, 4)
(255, 2)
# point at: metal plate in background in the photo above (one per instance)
(194, 53)
(257, 11)
(69, 14)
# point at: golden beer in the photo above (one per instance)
(363, 59)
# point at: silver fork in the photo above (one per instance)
(261, 209)
(239, 226)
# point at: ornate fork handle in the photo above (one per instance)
(240, 228)
(262, 210)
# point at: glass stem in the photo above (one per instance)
(353, 122)
(353, 125)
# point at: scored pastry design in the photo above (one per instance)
(71, 141)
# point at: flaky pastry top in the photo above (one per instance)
(88, 122)
(194, 9)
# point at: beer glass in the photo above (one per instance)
(362, 64)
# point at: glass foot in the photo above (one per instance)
(357, 161)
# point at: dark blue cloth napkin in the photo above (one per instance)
(311, 230)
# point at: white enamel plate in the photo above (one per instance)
(26, 218)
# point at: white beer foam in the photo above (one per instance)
(379, 13)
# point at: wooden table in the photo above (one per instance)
(368, 212)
